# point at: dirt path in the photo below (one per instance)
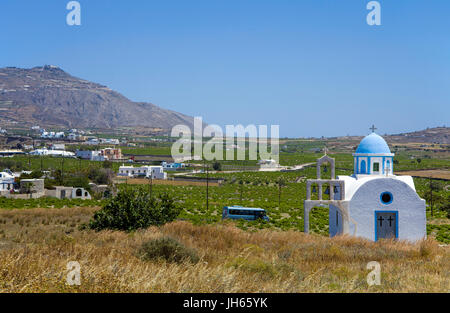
(441, 174)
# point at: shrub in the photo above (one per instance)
(107, 164)
(101, 176)
(428, 248)
(257, 266)
(133, 209)
(76, 180)
(168, 249)
(11, 164)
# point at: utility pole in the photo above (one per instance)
(151, 184)
(207, 186)
(431, 196)
(241, 182)
(279, 194)
(62, 171)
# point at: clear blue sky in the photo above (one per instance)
(314, 67)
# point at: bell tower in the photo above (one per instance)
(336, 191)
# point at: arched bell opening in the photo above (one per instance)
(314, 191)
(326, 191)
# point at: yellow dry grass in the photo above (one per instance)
(35, 246)
(442, 174)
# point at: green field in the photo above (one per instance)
(48, 163)
(260, 189)
(253, 189)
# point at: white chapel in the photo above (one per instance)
(373, 203)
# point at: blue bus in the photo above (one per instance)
(250, 214)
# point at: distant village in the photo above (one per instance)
(18, 185)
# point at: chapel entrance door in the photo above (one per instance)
(386, 225)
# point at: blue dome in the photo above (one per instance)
(373, 143)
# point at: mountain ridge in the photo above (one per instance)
(50, 97)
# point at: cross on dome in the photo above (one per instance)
(373, 128)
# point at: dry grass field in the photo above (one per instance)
(441, 174)
(36, 244)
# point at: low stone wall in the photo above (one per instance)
(24, 195)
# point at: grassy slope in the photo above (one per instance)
(36, 244)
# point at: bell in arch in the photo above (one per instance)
(327, 191)
(314, 189)
(336, 189)
(325, 169)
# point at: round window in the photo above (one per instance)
(386, 197)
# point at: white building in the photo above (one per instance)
(7, 180)
(92, 141)
(75, 134)
(268, 163)
(46, 152)
(109, 141)
(104, 141)
(72, 136)
(90, 155)
(155, 172)
(172, 166)
(68, 193)
(57, 146)
(56, 135)
(373, 203)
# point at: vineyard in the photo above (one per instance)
(285, 207)
(281, 194)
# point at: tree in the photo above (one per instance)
(29, 189)
(432, 196)
(134, 209)
(446, 205)
(101, 176)
(281, 183)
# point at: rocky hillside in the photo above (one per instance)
(48, 96)
(436, 135)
